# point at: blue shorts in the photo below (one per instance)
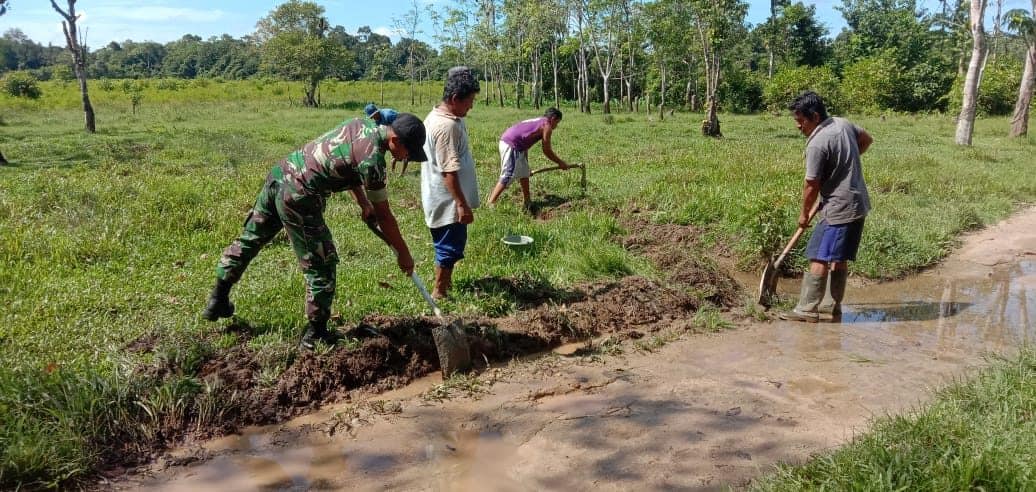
(835, 242)
(449, 242)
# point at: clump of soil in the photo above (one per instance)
(391, 352)
(388, 352)
(675, 250)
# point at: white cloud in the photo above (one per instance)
(385, 31)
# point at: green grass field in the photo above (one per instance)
(107, 237)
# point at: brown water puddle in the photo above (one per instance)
(702, 412)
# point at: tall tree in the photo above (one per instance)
(409, 26)
(966, 120)
(579, 11)
(793, 36)
(603, 26)
(77, 47)
(3, 10)
(632, 44)
(773, 35)
(715, 21)
(1024, 24)
(670, 32)
(295, 45)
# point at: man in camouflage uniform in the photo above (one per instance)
(349, 157)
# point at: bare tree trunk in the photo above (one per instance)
(500, 83)
(997, 18)
(584, 80)
(78, 50)
(710, 127)
(770, 42)
(966, 121)
(688, 96)
(537, 79)
(622, 81)
(581, 66)
(554, 61)
(632, 53)
(518, 85)
(661, 99)
(1020, 117)
(311, 95)
(577, 85)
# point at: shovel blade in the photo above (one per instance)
(451, 342)
(767, 285)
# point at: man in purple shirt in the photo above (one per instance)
(514, 152)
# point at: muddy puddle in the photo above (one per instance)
(700, 412)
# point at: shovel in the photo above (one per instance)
(450, 340)
(768, 282)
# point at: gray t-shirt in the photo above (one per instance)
(833, 157)
(448, 151)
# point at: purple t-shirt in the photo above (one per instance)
(525, 134)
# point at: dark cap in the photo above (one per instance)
(410, 130)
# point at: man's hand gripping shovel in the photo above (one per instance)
(451, 342)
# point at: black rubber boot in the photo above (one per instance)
(318, 332)
(219, 305)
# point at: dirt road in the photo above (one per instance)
(701, 412)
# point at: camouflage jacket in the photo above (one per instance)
(342, 159)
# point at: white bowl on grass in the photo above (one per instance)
(516, 241)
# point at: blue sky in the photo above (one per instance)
(168, 20)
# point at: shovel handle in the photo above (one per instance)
(582, 173)
(427, 297)
(797, 235)
(555, 168)
(372, 224)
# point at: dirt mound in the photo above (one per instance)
(387, 352)
(381, 353)
(675, 250)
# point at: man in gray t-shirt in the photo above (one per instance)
(834, 175)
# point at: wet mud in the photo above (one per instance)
(699, 413)
(386, 352)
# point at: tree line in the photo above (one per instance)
(698, 55)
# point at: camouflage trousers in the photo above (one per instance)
(283, 204)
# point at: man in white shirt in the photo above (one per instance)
(449, 187)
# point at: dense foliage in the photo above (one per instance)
(893, 55)
(20, 84)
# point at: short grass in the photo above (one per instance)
(978, 434)
(107, 237)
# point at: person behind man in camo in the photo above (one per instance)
(514, 152)
(349, 157)
(449, 186)
(383, 116)
(834, 174)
